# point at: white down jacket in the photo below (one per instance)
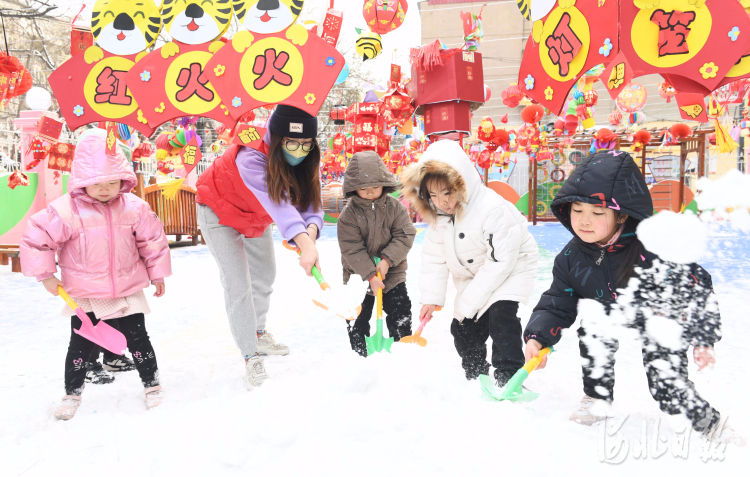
(486, 247)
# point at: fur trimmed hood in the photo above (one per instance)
(444, 158)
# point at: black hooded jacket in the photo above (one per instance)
(583, 270)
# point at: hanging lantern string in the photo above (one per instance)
(5, 38)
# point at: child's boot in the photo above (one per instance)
(95, 374)
(357, 341)
(591, 411)
(255, 372)
(152, 396)
(267, 345)
(118, 364)
(68, 407)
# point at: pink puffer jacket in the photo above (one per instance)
(105, 250)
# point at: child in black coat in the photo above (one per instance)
(602, 202)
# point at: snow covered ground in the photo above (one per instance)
(327, 411)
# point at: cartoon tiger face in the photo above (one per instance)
(125, 27)
(196, 21)
(267, 16)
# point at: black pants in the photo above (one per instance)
(81, 350)
(397, 307)
(500, 322)
(666, 371)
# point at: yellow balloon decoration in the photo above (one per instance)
(368, 45)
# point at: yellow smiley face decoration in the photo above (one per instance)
(194, 22)
(125, 27)
(267, 16)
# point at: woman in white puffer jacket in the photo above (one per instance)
(482, 240)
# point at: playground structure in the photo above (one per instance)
(669, 191)
(21, 202)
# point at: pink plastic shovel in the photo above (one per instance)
(101, 333)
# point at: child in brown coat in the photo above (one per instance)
(375, 224)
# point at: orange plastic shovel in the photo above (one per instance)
(417, 338)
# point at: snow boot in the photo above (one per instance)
(95, 374)
(68, 407)
(357, 341)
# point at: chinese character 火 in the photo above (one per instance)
(269, 67)
(193, 81)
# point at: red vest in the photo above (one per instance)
(221, 188)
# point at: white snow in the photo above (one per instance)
(325, 411)
(678, 238)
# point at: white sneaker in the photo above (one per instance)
(725, 434)
(152, 397)
(68, 407)
(267, 345)
(255, 372)
(590, 411)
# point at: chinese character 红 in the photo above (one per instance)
(111, 87)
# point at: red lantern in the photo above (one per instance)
(338, 114)
(15, 79)
(532, 114)
(339, 143)
(512, 96)
(485, 130)
(500, 138)
(485, 159)
(591, 97)
(487, 93)
(615, 117)
(640, 140)
(384, 16)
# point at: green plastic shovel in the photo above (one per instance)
(378, 342)
(513, 389)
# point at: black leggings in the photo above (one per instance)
(397, 308)
(81, 350)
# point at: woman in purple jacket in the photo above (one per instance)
(239, 196)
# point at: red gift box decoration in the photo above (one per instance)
(460, 77)
(446, 117)
(61, 156)
(49, 128)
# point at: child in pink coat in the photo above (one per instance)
(110, 245)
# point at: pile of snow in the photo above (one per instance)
(678, 238)
(725, 199)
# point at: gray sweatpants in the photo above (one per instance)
(247, 267)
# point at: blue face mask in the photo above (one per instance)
(294, 158)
